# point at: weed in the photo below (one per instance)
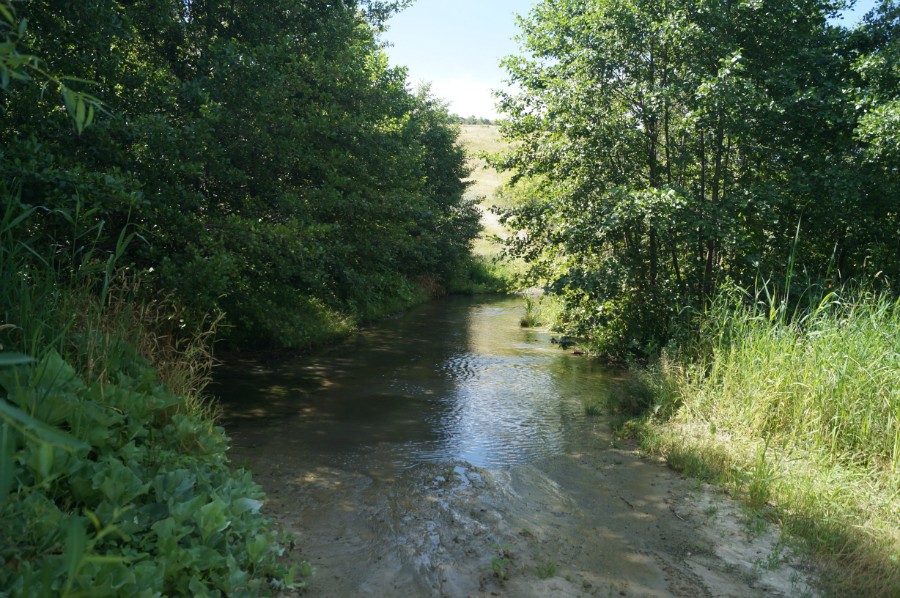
(544, 310)
(773, 560)
(594, 408)
(113, 477)
(527, 534)
(501, 564)
(532, 312)
(546, 570)
(500, 567)
(450, 475)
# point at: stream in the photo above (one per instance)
(447, 452)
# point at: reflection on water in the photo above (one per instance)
(453, 380)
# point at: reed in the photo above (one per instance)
(827, 381)
(797, 410)
(93, 312)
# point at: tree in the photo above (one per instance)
(275, 165)
(679, 143)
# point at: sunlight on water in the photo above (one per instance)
(454, 380)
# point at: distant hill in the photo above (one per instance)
(471, 120)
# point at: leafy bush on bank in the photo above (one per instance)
(113, 488)
(114, 479)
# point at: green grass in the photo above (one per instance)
(478, 139)
(546, 570)
(541, 310)
(483, 276)
(800, 416)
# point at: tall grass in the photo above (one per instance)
(828, 381)
(79, 303)
(799, 412)
(541, 310)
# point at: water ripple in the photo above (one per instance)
(455, 381)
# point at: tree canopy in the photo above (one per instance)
(674, 145)
(267, 158)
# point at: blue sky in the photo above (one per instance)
(457, 46)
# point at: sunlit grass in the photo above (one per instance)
(478, 139)
(541, 310)
(801, 417)
(491, 271)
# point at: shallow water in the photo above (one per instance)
(447, 453)
(454, 380)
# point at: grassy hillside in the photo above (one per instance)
(485, 181)
(478, 139)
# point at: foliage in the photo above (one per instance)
(670, 146)
(134, 499)
(113, 476)
(111, 483)
(273, 163)
(19, 66)
(471, 120)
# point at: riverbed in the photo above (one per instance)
(447, 452)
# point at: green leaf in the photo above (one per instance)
(80, 116)
(44, 460)
(212, 519)
(12, 224)
(108, 559)
(7, 464)
(31, 426)
(7, 14)
(11, 358)
(76, 543)
(54, 373)
(67, 100)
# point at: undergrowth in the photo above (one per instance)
(798, 414)
(541, 310)
(114, 479)
(483, 274)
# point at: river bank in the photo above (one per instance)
(799, 417)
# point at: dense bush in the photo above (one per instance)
(114, 479)
(666, 148)
(267, 156)
(134, 498)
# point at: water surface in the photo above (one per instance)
(447, 453)
(457, 379)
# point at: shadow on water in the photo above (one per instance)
(457, 379)
(448, 453)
